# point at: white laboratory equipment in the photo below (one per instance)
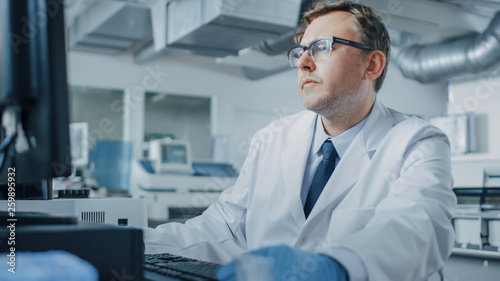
(79, 143)
(114, 211)
(476, 255)
(171, 156)
(179, 195)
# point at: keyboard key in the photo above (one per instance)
(181, 268)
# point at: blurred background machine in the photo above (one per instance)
(176, 187)
(477, 221)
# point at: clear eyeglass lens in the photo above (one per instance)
(321, 49)
(295, 55)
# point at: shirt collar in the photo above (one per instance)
(341, 142)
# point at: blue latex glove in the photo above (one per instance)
(293, 264)
(46, 266)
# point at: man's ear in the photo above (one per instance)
(376, 64)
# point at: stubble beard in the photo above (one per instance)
(335, 106)
(339, 104)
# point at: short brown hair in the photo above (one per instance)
(370, 26)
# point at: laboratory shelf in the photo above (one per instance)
(476, 253)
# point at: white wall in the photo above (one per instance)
(92, 105)
(412, 97)
(240, 106)
(188, 120)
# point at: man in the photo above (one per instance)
(383, 214)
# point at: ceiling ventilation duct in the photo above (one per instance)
(109, 27)
(278, 46)
(219, 28)
(464, 55)
(274, 50)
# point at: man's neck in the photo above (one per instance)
(336, 126)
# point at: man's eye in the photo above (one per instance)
(297, 54)
(321, 46)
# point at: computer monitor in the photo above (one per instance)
(33, 92)
(171, 156)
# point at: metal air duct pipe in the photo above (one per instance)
(278, 46)
(464, 55)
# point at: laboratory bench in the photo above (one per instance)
(471, 265)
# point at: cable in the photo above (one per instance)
(4, 146)
(10, 120)
(5, 143)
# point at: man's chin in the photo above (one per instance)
(316, 109)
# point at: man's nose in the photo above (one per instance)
(306, 62)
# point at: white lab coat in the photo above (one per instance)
(389, 200)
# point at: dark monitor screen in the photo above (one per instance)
(33, 92)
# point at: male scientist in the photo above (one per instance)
(345, 190)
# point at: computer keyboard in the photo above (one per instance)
(172, 267)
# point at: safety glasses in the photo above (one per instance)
(320, 49)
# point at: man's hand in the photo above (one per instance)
(292, 264)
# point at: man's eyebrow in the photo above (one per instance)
(312, 40)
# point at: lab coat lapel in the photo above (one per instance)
(346, 174)
(356, 159)
(293, 163)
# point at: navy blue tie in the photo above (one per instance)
(323, 173)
